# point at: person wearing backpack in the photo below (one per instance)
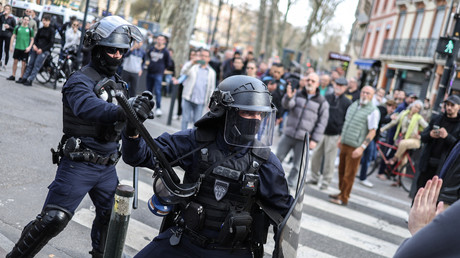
(24, 37)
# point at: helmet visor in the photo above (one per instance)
(245, 128)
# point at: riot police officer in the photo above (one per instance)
(230, 174)
(89, 148)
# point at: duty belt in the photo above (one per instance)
(207, 243)
(89, 155)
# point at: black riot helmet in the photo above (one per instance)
(246, 105)
(109, 35)
(112, 31)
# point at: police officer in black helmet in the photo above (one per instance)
(228, 154)
(89, 149)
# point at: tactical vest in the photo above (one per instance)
(77, 127)
(230, 186)
(355, 128)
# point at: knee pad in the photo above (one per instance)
(55, 219)
(37, 233)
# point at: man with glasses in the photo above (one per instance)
(327, 147)
(361, 123)
(251, 69)
(43, 42)
(90, 148)
(308, 112)
(352, 92)
(198, 87)
(32, 23)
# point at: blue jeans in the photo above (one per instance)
(35, 63)
(168, 78)
(369, 154)
(191, 112)
(154, 86)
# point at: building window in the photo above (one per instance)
(402, 19)
(376, 7)
(441, 11)
(418, 24)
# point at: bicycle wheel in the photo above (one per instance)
(406, 177)
(374, 166)
(44, 75)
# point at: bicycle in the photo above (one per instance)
(405, 172)
(52, 72)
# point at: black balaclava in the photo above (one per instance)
(103, 62)
(245, 129)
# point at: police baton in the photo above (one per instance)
(134, 120)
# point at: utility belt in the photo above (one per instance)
(72, 149)
(208, 243)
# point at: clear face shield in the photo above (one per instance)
(247, 128)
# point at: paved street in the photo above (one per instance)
(372, 225)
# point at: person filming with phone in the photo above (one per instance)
(198, 87)
(439, 137)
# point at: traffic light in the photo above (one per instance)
(446, 45)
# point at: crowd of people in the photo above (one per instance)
(341, 118)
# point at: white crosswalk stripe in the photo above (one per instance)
(140, 234)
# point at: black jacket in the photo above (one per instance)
(11, 22)
(337, 111)
(436, 150)
(450, 173)
(44, 39)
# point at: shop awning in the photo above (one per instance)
(407, 66)
(365, 64)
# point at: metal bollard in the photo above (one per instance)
(119, 220)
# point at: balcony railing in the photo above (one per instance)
(409, 47)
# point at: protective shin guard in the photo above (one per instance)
(37, 233)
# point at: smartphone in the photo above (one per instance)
(436, 129)
(201, 62)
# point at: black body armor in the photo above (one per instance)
(74, 126)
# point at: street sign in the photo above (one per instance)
(446, 45)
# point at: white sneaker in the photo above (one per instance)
(366, 183)
(158, 112)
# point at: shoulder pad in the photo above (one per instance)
(205, 135)
(261, 153)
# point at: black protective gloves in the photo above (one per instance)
(143, 106)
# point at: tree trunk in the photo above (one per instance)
(229, 26)
(217, 21)
(270, 30)
(120, 4)
(182, 31)
(279, 42)
(260, 28)
(208, 37)
(167, 8)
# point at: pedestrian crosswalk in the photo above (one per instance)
(324, 222)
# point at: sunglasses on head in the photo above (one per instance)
(113, 50)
